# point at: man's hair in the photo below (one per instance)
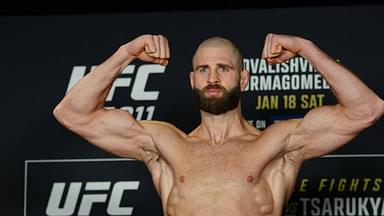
(220, 42)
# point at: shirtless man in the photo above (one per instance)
(225, 166)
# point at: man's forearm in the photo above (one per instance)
(357, 100)
(89, 94)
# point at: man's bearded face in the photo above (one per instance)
(217, 104)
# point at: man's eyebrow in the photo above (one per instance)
(221, 65)
(225, 65)
(201, 66)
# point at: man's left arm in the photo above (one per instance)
(327, 128)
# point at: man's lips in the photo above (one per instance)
(213, 91)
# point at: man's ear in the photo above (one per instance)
(191, 79)
(244, 79)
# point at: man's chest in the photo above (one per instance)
(230, 163)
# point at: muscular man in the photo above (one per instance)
(225, 166)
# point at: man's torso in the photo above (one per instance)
(245, 175)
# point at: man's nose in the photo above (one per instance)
(213, 77)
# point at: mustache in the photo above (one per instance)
(213, 86)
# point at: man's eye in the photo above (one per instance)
(224, 69)
(202, 70)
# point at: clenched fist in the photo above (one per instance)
(280, 48)
(149, 48)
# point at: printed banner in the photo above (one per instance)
(48, 170)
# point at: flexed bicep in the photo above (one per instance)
(323, 130)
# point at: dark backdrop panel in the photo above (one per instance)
(41, 54)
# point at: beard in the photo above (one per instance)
(217, 105)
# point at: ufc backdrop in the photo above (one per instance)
(48, 170)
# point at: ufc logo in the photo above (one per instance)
(138, 92)
(59, 204)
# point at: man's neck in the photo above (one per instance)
(218, 128)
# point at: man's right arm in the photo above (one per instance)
(116, 131)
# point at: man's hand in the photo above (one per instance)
(280, 48)
(149, 48)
